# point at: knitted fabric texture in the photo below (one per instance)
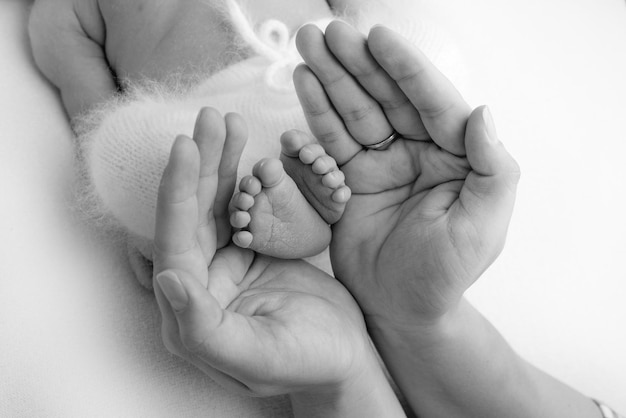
(126, 144)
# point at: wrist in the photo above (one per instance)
(452, 365)
(417, 332)
(365, 393)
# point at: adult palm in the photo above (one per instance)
(429, 213)
(255, 324)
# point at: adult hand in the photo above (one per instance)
(256, 324)
(429, 213)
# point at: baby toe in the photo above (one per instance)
(293, 141)
(240, 219)
(309, 153)
(341, 195)
(324, 164)
(242, 201)
(333, 179)
(242, 239)
(269, 171)
(250, 185)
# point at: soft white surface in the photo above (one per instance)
(78, 336)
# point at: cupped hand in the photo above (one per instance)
(428, 214)
(264, 326)
(255, 324)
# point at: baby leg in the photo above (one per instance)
(272, 216)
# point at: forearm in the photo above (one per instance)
(366, 395)
(462, 367)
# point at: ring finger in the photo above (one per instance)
(361, 114)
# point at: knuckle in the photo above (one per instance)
(358, 114)
(435, 110)
(194, 341)
(328, 137)
(313, 107)
(368, 71)
(331, 80)
(395, 103)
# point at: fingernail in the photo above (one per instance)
(490, 127)
(173, 290)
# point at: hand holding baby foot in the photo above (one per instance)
(429, 213)
(257, 324)
(248, 297)
(266, 326)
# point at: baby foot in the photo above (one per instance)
(316, 174)
(274, 217)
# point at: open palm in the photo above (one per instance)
(267, 326)
(429, 213)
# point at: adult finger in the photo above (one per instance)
(170, 333)
(349, 46)
(176, 220)
(324, 122)
(171, 336)
(222, 339)
(226, 273)
(175, 241)
(490, 188)
(360, 113)
(209, 135)
(177, 205)
(441, 107)
(236, 138)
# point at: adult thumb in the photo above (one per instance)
(222, 339)
(197, 312)
(492, 183)
(485, 153)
